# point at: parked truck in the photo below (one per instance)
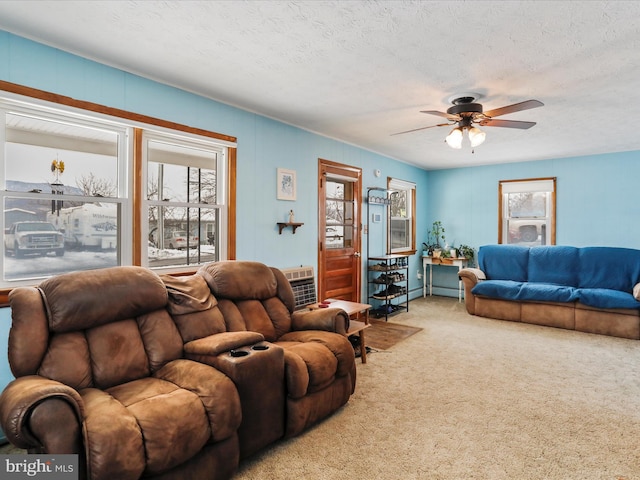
(88, 226)
(33, 237)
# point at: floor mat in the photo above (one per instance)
(384, 335)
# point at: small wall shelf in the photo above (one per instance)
(294, 226)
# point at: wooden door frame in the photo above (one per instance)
(340, 169)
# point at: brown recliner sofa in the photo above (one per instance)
(100, 372)
(234, 306)
(169, 377)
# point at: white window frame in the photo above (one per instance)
(13, 104)
(191, 141)
(409, 188)
(545, 226)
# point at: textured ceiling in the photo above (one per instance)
(359, 71)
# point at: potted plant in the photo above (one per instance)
(437, 232)
(427, 248)
(467, 252)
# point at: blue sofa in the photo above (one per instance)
(590, 289)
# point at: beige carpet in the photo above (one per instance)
(382, 335)
(473, 398)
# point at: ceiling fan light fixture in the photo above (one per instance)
(454, 139)
(476, 136)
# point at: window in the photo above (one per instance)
(339, 211)
(64, 197)
(182, 200)
(527, 211)
(402, 237)
(70, 178)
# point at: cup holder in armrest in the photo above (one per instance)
(238, 353)
(260, 347)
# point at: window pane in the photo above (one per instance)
(529, 204)
(178, 173)
(87, 157)
(339, 190)
(181, 173)
(339, 223)
(51, 163)
(399, 204)
(527, 220)
(46, 237)
(339, 214)
(400, 233)
(402, 216)
(182, 236)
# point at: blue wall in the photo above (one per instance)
(596, 201)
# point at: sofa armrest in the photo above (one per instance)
(474, 275)
(470, 278)
(222, 342)
(328, 319)
(28, 399)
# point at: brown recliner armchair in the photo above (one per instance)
(319, 361)
(100, 372)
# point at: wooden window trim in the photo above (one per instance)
(137, 162)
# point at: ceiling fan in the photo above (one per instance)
(466, 113)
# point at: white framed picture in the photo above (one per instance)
(286, 184)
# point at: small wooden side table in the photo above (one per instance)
(355, 326)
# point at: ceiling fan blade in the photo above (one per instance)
(423, 128)
(506, 123)
(516, 107)
(452, 117)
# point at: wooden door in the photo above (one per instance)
(339, 223)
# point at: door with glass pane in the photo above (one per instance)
(339, 199)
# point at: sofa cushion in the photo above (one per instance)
(116, 354)
(525, 291)
(166, 415)
(240, 280)
(607, 298)
(554, 264)
(546, 292)
(257, 319)
(504, 262)
(108, 295)
(507, 289)
(317, 367)
(609, 267)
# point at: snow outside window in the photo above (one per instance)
(64, 195)
(184, 204)
(67, 179)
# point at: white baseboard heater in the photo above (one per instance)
(303, 283)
